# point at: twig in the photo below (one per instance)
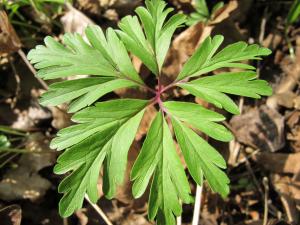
(17, 79)
(197, 207)
(30, 67)
(241, 104)
(289, 43)
(249, 168)
(263, 25)
(262, 34)
(98, 210)
(8, 160)
(266, 204)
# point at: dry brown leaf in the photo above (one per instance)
(261, 222)
(261, 128)
(24, 181)
(293, 121)
(291, 69)
(285, 99)
(61, 118)
(279, 162)
(82, 217)
(9, 40)
(75, 21)
(289, 193)
(224, 12)
(99, 8)
(11, 215)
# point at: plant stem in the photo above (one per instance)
(98, 210)
(266, 208)
(173, 84)
(157, 98)
(8, 160)
(197, 207)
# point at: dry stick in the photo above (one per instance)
(17, 79)
(197, 207)
(266, 208)
(45, 86)
(30, 67)
(262, 33)
(98, 210)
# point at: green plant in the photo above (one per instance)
(4, 142)
(202, 13)
(45, 10)
(7, 152)
(292, 17)
(105, 131)
(294, 13)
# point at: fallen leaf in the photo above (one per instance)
(289, 193)
(11, 215)
(282, 163)
(9, 40)
(261, 128)
(75, 21)
(24, 182)
(291, 69)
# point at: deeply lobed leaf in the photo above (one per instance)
(212, 88)
(205, 59)
(104, 132)
(103, 56)
(158, 159)
(150, 46)
(96, 141)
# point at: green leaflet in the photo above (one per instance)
(205, 60)
(202, 13)
(103, 57)
(87, 149)
(82, 92)
(158, 158)
(211, 88)
(153, 48)
(294, 13)
(202, 159)
(4, 142)
(200, 118)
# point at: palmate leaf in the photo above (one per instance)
(158, 158)
(212, 88)
(105, 58)
(153, 47)
(205, 59)
(104, 134)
